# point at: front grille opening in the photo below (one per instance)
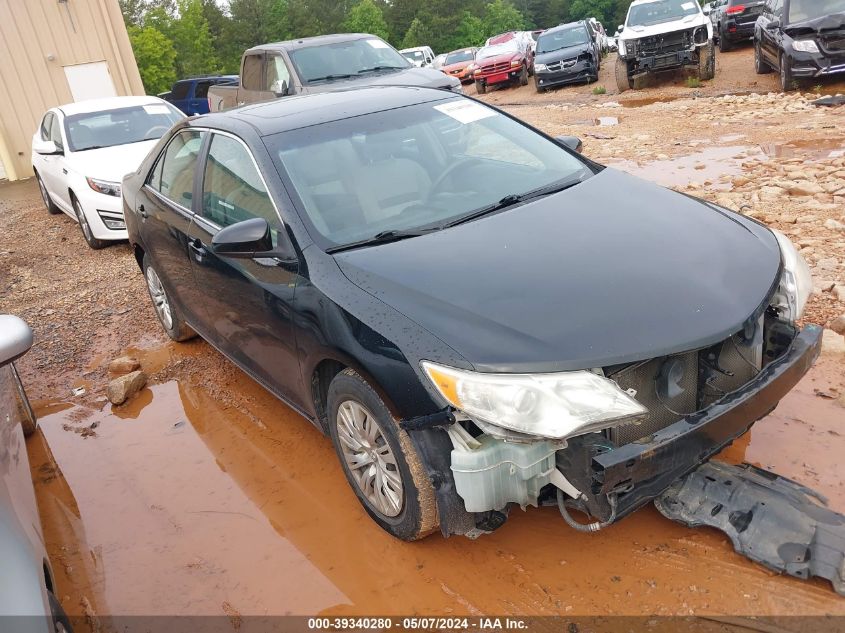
(674, 387)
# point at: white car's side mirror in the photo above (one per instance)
(40, 146)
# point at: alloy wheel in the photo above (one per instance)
(83, 221)
(159, 297)
(369, 458)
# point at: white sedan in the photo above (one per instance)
(82, 150)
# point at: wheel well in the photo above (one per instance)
(139, 255)
(48, 578)
(322, 377)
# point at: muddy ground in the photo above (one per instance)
(205, 495)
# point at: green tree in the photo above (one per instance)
(470, 31)
(192, 40)
(155, 56)
(603, 10)
(501, 16)
(420, 32)
(367, 17)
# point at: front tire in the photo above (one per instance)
(760, 65)
(379, 459)
(52, 209)
(523, 76)
(724, 44)
(787, 82)
(92, 241)
(168, 314)
(480, 87)
(623, 81)
(707, 62)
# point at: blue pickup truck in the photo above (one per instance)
(191, 95)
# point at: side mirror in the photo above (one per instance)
(706, 10)
(279, 88)
(621, 28)
(45, 147)
(251, 239)
(15, 340)
(774, 25)
(572, 142)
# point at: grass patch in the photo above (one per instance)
(693, 82)
(599, 90)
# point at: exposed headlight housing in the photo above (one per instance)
(796, 282)
(555, 406)
(620, 47)
(805, 46)
(104, 187)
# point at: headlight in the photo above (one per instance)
(805, 46)
(104, 186)
(516, 62)
(620, 47)
(554, 406)
(540, 67)
(796, 282)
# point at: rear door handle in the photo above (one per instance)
(143, 212)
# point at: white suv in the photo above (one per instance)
(661, 35)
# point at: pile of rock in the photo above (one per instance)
(129, 381)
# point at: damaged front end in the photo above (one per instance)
(608, 440)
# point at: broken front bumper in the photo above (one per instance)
(640, 471)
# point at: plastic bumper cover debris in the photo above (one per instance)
(771, 520)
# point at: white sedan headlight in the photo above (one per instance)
(555, 406)
(105, 187)
(796, 283)
(805, 46)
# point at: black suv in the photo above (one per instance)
(801, 39)
(566, 54)
(734, 20)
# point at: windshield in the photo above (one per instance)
(120, 126)
(413, 56)
(801, 10)
(661, 11)
(557, 40)
(345, 59)
(417, 166)
(459, 56)
(507, 48)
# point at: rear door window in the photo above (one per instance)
(252, 72)
(233, 190)
(173, 175)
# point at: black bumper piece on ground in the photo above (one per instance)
(772, 520)
(648, 467)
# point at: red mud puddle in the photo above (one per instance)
(179, 504)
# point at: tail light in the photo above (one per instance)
(735, 10)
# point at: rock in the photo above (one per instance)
(839, 293)
(824, 285)
(838, 325)
(833, 344)
(802, 188)
(828, 263)
(834, 225)
(124, 387)
(805, 219)
(124, 364)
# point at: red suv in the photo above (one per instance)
(506, 61)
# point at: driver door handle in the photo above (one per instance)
(198, 249)
(143, 212)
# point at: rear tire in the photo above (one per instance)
(92, 241)
(623, 81)
(168, 314)
(389, 480)
(707, 62)
(760, 65)
(52, 209)
(480, 87)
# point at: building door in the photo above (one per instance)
(90, 81)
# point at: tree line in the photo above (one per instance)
(183, 38)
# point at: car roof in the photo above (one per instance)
(564, 27)
(306, 42)
(295, 112)
(414, 48)
(109, 103)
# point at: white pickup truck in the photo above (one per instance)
(661, 35)
(322, 64)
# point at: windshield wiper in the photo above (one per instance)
(92, 147)
(393, 235)
(513, 199)
(329, 78)
(378, 68)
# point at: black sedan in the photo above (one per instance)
(431, 283)
(801, 39)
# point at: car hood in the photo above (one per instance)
(412, 76)
(495, 59)
(831, 22)
(110, 163)
(456, 66)
(563, 53)
(690, 21)
(613, 270)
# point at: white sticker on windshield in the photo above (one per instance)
(686, 6)
(156, 109)
(377, 44)
(465, 111)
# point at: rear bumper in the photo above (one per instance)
(647, 468)
(737, 32)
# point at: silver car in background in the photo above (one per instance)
(27, 601)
